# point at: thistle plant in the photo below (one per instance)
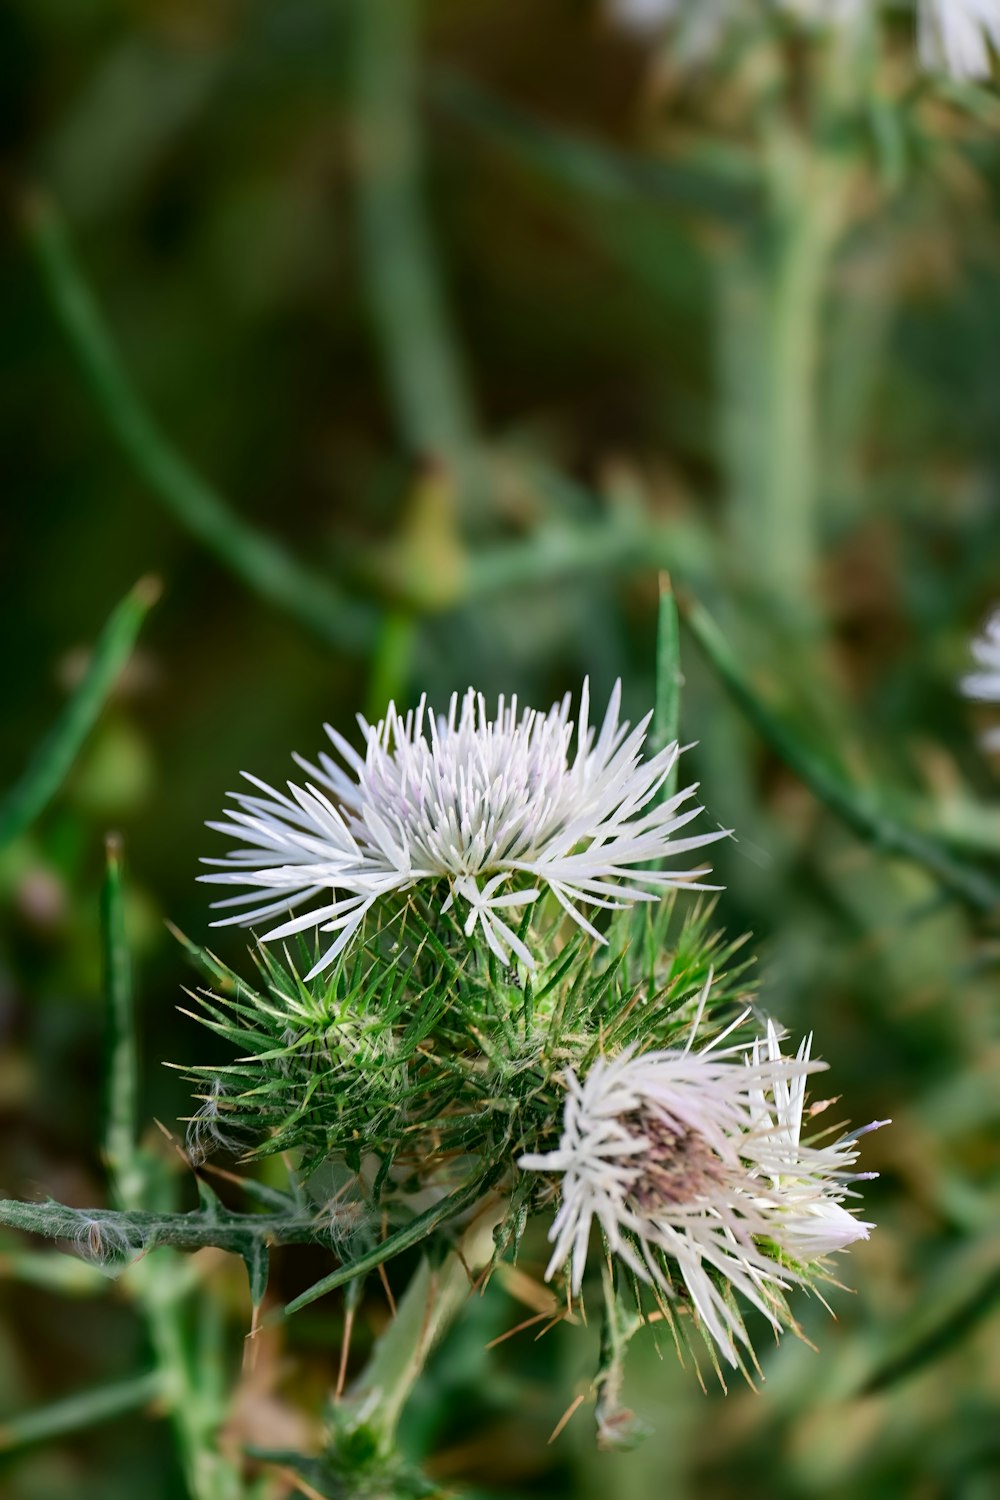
(526, 1018)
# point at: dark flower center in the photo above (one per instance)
(678, 1167)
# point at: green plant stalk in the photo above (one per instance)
(789, 519)
(667, 710)
(390, 665)
(408, 305)
(29, 797)
(937, 1335)
(125, 1166)
(161, 1286)
(772, 296)
(261, 561)
(430, 1303)
(620, 543)
(427, 1307)
(187, 1380)
(148, 1230)
(67, 1275)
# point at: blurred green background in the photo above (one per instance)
(487, 312)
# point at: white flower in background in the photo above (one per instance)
(984, 686)
(501, 808)
(695, 1160)
(704, 17)
(956, 36)
(642, 15)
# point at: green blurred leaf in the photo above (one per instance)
(54, 757)
(862, 809)
(78, 1412)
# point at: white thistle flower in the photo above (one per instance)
(499, 808)
(984, 686)
(956, 36)
(696, 1158)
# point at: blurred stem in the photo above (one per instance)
(121, 1125)
(162, 1286)
(399, 258)
(259, 560)
(772, 295)
(391, 662)
(425, 1310)
(55, 756)
(667, 713)
(188, 1379)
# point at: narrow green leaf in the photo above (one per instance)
(860, 809)
(404, 1239)
(48, 769)
(590, 167)
(261, 561)
(77, 1413)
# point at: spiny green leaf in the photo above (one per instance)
(418, 1230)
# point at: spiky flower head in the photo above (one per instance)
(984, 685)
(693, 1165)
(502, 809)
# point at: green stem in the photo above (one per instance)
(187, 1374)
(126, 1169)
(667, 713)
(162, 1287)
(772, 296)
(427, 1308)
(139, 1230)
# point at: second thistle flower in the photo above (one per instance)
(692, 1164)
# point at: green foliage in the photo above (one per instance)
(420, 1052)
